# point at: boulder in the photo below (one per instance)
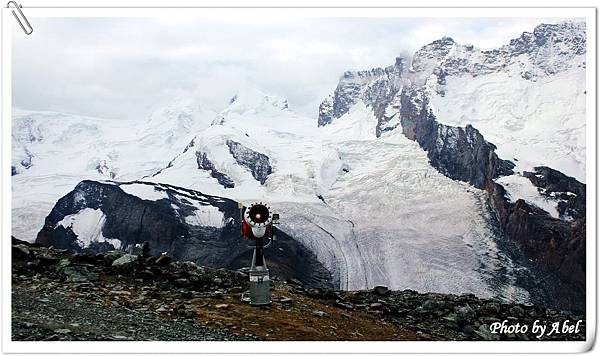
(125, 262)
(78, 273)
(381, 290)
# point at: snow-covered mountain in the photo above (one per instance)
(411, 176)
(327, 182)
(52, 152)
(506, 121)
(527, 97)
(186, 224)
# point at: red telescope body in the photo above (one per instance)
(257, 222)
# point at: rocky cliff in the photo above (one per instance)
(556, 246)
(257, 163)
(186, 224)
(552, 245)
(377, 88)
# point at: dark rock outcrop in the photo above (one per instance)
(206, 164)
(177, 225)
(170, 164)
(376, 88)
(399, 95)
(556, 247)
(457, 152)
(257, 163)
(549, 49)
(25, 163)
(569, 192)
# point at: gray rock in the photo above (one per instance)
(381, 290)
(206, 164)
(319, 313)
(257, 163)
(466, 313)
(492, 308)
(63, 263)
(77, 273)
(517, 311)
(376, 306)
(20, 251)
(348, 306)
(163, 260)
(181, 282)
(430, 305)
(125, 261)
(285, 300)
(452, 318)
(485, 334)
(113, 255)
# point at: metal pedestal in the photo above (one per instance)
(260, 284)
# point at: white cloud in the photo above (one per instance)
(124, 67)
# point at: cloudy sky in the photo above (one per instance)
(123, 68)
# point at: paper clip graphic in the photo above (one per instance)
(22, 18)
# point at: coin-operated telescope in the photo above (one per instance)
(258, 227)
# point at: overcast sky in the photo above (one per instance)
(123, 68)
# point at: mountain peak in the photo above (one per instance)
(567, 36)
(252, 102)
(183, 114)
(253, 98)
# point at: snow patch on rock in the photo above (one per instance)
(519, 187)
(87, 224)
(537, 123)
(144, 191)
(205, 215)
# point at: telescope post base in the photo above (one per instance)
(260, 283)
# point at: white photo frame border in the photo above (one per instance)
(9, 25)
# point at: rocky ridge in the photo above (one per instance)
(550, 49)
(555, 247)
(186, 224)
(256, 162)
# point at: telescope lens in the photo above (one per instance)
(259, 213)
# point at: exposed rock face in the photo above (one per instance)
(105, 168)
(400, 94)
(186, 224)
(376, 88)
(206, 164)
(556, 185)
(457, 152)
(555, 246)
(170, 164)
(25, 163)
(256, 162)
(549, 49)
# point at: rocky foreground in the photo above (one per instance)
(58, 295)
